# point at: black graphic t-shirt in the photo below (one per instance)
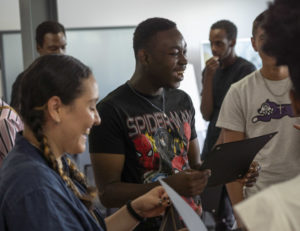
(155, 143)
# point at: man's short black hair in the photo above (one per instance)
(259, 21)
(47, 27)
(147, 29)
(228, 26)
(282, 29)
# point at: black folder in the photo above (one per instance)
(231, 161)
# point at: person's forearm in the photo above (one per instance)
(121, 220)
(207, 97)
(117, 194)
(187, 183)
(194, 154)
(151, 204)
(235, 192)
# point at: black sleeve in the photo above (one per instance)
(246, 69)
(108, 136)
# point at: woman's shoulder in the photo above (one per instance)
(26, 172)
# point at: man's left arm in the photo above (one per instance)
(195, 163)
(194, 154)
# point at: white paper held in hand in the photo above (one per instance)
(190, 217)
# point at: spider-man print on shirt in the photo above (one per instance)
(145, 152)
(161, 142)
(161, 145)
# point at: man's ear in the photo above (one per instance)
(232, 42)
(253, 43)
(295, 102)
(54, 106)
(143, 56)
(38, 48)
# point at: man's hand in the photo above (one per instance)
(252, 174)
(190, 182)
(211, 66)
(207, 102)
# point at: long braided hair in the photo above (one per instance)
(62, 76)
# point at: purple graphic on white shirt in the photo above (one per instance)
(270, 110)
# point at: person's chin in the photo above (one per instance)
(174, 85)
(177, 82)
(177, 85)
(79, 148)
(82, 147)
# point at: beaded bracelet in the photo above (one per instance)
(133, 213)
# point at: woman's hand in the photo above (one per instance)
(252, 174)
(151, 204)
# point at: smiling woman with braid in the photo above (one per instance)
(40, 187)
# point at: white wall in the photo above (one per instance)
(9, 15)
(9, 20)
(193, 17)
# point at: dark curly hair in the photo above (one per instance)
(228, 26)
(282, 28)
(52, 27)
(147, 29)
